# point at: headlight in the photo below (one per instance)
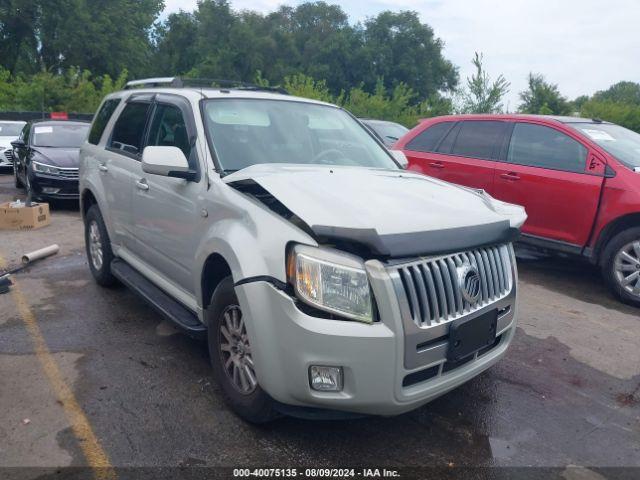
(331, 281)
(43, 168)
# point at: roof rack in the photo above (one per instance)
(179, 82)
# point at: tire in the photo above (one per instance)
(620, 263)
(17, 181)
(224, 315)
(98, 247)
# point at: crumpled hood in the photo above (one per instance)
(58, 157)
(395, 213)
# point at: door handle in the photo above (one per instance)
(103, 168)
(510, 176)
(436, 165)
(142, 184)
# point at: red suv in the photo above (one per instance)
(578, 179)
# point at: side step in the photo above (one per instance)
(160, 301)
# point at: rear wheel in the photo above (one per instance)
(98, 247)
(232, 359)
(621, 265)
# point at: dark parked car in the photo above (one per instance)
(578, 179)
(45, 158)
(387, 132)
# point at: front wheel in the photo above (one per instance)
(232, 359)
(621, 266)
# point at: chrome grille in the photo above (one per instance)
(68, 172)
(8, 154)
(430, 287)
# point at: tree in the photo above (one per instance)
(481, 94)
(401, 49)
(622, 92)
(103, 36)
(175, 40)
(543, 98)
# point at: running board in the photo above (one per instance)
(159, 300)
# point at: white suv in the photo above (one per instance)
(327, 279)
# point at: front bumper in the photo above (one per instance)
(55, 187)
(286, 342)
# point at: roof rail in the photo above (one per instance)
(179, 82)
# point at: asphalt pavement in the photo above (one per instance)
(93, 377)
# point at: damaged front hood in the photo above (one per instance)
(393, 213)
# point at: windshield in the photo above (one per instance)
(618, 141)
(388, 130)
(71, 135)
(247, 132)
(10, 129)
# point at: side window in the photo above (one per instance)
(168, 129)
(129, 128)
(479, 139)
(428, 140)
(101, 119)
(545, 147)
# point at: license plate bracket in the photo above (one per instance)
(467, 336)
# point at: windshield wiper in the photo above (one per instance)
(224, 173)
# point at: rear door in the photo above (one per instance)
(547, 172)
(466, 154)
(119, 164)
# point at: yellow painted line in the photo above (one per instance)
(97, 458)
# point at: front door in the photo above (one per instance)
(546, 172)
(166, 210)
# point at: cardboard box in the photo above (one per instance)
(24, 218)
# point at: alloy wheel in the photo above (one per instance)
(95, 245)
(235, 351)
(627, 267)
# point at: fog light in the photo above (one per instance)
(50, 190)
(325, 379)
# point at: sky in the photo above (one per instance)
(580, 45)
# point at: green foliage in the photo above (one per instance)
(73, 91)
(543, 98)
(481, 94)
(619, 104)
(625, 114)
(313, 38)
(621, 92)
(54, 35)
(397, 105)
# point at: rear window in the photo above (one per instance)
(101, 119)
(479, 139)
(129, 128)
(428, 140)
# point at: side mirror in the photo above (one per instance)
(167, 162)
(18, 143)
(401, 158)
